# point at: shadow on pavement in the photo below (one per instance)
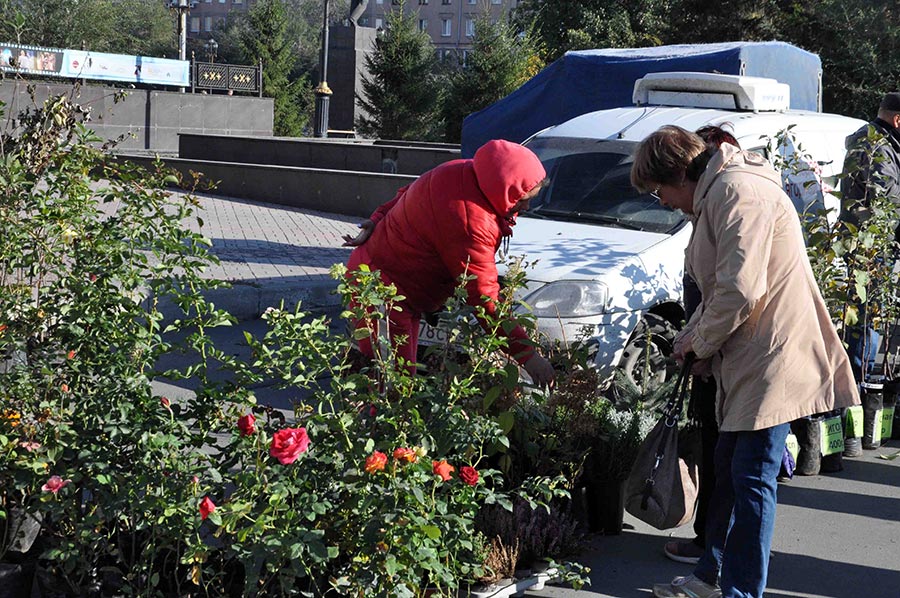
(792, 575)
(842, 502)
(258, 250)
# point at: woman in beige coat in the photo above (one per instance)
(762, 329)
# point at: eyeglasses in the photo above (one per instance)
(655, 194)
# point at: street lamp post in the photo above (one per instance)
(182, 7)
(323, 92)
(212, 48)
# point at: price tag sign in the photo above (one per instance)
(855, 421)
(876, 426)
(832, 436)
(887, 422)
(793, 446)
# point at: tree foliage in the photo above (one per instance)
(401, 95)
(265, 39)
(563, 25)
(499, 62)
(124, 26)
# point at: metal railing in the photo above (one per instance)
(226, 77)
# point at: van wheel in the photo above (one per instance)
(647, 360)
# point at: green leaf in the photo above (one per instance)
(432, 531)
(506, 420)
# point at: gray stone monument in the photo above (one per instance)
(347, 50)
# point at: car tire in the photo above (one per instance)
(660, 333)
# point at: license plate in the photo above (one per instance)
(431, 335)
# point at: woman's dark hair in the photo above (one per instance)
(713, 136)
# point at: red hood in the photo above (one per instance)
(505, 172)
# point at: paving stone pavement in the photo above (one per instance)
(837, 536)
(271, 252)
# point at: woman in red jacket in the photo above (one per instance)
(451, 221)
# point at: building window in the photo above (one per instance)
(207, 23)
(472, 1)
(496, 1)
(423, 24)
(237, 1)
(379, 23)
(470, 27)
(465, 57)
(195, 24)
(446, 27)
(446, 1)
(423, 2)
(364, 21)
(379, 1)
(221, 1)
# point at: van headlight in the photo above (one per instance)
(569, 298)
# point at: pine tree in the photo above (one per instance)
(500, 61)
(401, 95)
(265, 38)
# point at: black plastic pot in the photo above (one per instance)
(809, 438)
(604, 506)
(15, 582)
(872, 395)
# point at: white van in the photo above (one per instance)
(611, 259)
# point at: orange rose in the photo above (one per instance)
(375, 462)
(405, 455)
(443, 469)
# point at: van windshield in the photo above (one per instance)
(589, 183)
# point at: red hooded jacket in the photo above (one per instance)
(450, 221)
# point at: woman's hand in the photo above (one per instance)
(540, 370)
(701, 367)
(365, 231)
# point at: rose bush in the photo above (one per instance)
(371, 487)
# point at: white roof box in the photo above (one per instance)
(711, 90)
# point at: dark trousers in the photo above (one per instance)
(703, 406)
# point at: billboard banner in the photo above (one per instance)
(80, 64)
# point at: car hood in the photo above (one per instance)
(567, 250)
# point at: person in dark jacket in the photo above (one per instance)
(449, 222)
(871, 169)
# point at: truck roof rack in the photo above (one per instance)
(712, 90)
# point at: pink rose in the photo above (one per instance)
(289, 444)
(246, 424)
(30, 446)
(55, 484)
(164, 401)
(207, 506)
(375, 462)
(469, 475)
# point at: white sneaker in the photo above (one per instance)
(686, 587)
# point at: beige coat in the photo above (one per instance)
(774, 350)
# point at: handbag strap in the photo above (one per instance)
(671, 413)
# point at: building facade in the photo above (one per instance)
(209, 15)
(449, 23)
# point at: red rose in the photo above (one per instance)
(55, 484)
(469, 475)
(70, 354)
(405, 455)
(443, 469)
(64, 387)
(289, 444)
(247, 424)
(207, 506)
(375, 462)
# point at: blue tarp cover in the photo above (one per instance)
(589, 80)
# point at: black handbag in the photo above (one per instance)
(663, 484)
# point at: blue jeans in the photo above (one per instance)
(862, 348)
(741, 518)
